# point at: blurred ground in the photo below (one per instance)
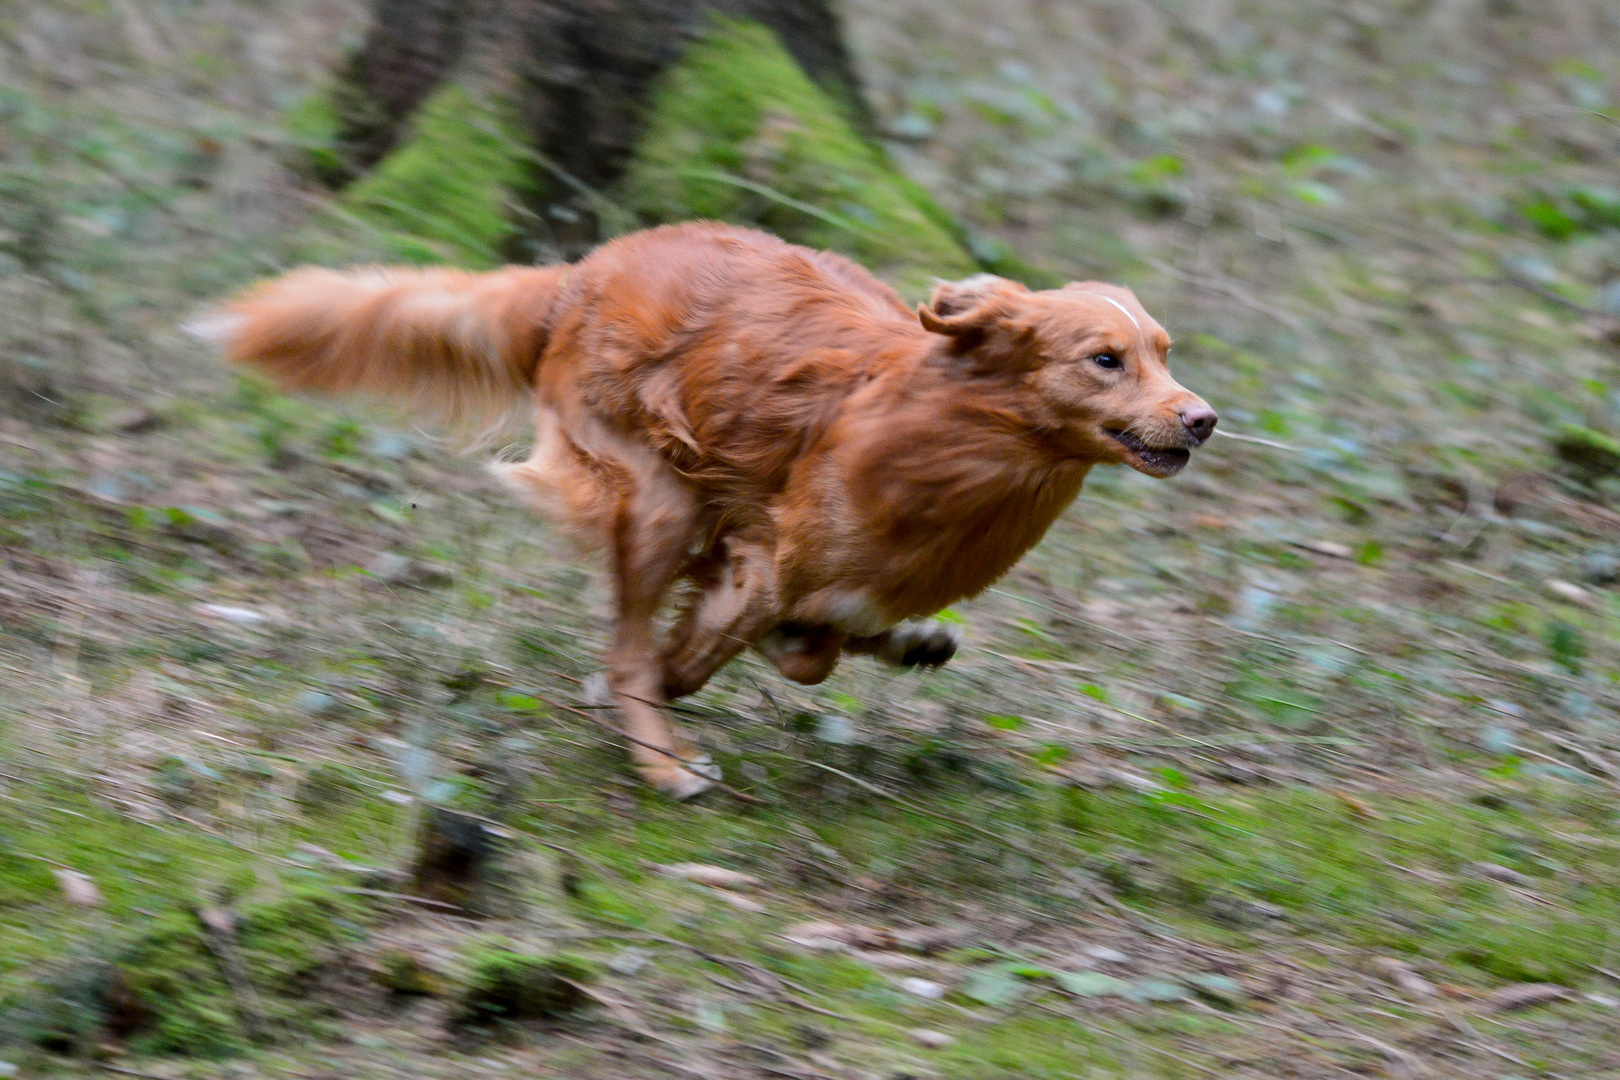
(1302, 764)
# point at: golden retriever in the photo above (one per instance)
(767, 424)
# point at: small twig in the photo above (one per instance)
(759, 975)
(1551, 297)
(1591, 757)
(623, 1013)
(106, 1066)
(800, 1003)
(405, 897)
(1549, 759)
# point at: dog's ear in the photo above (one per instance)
(979, 315)
(972, 304)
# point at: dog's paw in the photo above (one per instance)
(682, 780)
(920, 644)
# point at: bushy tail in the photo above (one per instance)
(459, 346)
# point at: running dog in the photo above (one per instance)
(765, 430)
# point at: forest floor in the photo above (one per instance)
(1304, 763)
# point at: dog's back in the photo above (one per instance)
(727, 349)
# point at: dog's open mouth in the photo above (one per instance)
(1158, 461)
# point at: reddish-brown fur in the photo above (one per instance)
(767, 423)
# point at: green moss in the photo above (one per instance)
(174, 984)
(402, 974)
(1590, 454)
(738, 132)
(286, 943)
(169, 970)
(329, 786)
(316, 131)
(506, 985)
(1029, 1046)
(443, 194)
(159, 984)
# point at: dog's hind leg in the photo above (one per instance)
(736, 603)
(914, 643)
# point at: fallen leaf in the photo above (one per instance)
(928, 940)
(711, 1016)
(1135, 781)
(923, 988)
(1404, 977)
(220, 920)
(1569, 592)
(825, 936)
(240, 615)
(629, 961)
(818, 936)
(131, 420)
(1330, 548)
(715, 877)
(1504, 874)
(1524, 996)
(930, 1038)
(78, 888)
(741, 903)
(1356, 806)
(890, 961)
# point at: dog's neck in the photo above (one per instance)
(959, 479)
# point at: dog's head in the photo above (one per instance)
(1092, 356)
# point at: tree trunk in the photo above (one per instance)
(582, 68)
(411, 45)
(478, 131)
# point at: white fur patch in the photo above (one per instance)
(215, 329)
(857, 613)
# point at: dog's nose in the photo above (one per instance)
(1200, 420)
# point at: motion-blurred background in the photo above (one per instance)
(1302, 764)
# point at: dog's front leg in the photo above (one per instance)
(736, 603)
(913, 643)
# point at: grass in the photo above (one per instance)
(444, 195)
(740, 133)
(1344, 692)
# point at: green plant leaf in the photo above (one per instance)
(1090, 984)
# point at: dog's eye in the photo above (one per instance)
(1107, 360)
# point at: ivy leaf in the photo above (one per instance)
(994, 986)
(1090, 984)
(1156, 990)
